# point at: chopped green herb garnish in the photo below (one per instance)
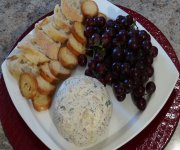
(63, 107)
(108, 103)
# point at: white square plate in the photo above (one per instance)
(126, 121)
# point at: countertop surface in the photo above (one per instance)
(17, 15)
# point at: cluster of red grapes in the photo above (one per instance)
(122, 57)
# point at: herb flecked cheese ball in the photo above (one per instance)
(81, 110)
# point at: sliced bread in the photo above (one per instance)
(43, 22)
(60, 21)
(46, 74)
(58, 70)
(54, 34)
(72, 9)
(44, 87)
(41, 102)
(18, 64)
(67, 58)
(28, 85)
(32, 52)
(76, 47)
(48, 46)
(89, 8)
(78, 32)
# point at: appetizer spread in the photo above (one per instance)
(119, 54)
(81, 110)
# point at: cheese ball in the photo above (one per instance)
(81, 110)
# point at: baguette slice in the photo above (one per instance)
(60, 21)
(28, 85)
(54, 34)
(41, 102)
(89, 8)
(32, 52)
(43, 22)
(47, 75)
(48, 46)
(78, 32)
(58, 70)
(44, 87)
(75, 47)
(67, 58)
(72, 9)
(18, 64)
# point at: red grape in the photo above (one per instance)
(106, 39)
(122, 57)
(117, 54)
(150, 87)
(109, 78)
(143, 35)
(89, 22)
(133, 44)
(141, 104)
(129, 19)
(154, 51)
(82, 60)
(116, 67)
(121, 97)
(88, 72)
(89, 31)
(139, 91)
(101, 68)
(92, 64)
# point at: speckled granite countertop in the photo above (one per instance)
(17, 15)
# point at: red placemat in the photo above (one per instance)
(155, 136)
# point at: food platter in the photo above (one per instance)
(25, 108)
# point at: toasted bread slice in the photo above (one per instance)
(60, 21)
(27, 85)
(75, 47)
(18, 64)
(58, 70)
(72, 9)
(78, 32)
(41, 102)
(54, 34)
(48, 46)
(46, 74)
(44, 87)
(67, 58)
(32, 52)
(43, 22)
(89, 8)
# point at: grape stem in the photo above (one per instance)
(134, 26)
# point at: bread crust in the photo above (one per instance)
(41, 102)
(66, 63)
(27, 85)
(58, 73)
(70, 13)
(47, 75)
(47, 89)
(48, 46)
(74, 51)
(58, 21)
(54, 34)
(89, 8)
(72, 46)
(75, 33)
